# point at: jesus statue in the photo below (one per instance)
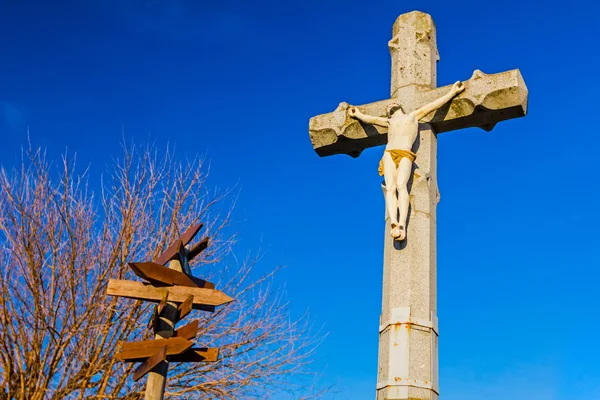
(396, 164)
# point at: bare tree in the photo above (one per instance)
(59, 244)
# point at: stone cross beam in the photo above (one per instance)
(487, 100)
(408, 331)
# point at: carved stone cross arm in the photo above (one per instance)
(487, 100)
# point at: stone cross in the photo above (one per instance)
(408, 331)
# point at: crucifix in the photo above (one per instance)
(408, 331)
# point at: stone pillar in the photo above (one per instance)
(414, 51)
(408, 338)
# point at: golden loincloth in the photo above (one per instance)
(397, 155)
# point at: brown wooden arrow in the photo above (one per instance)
(185, 307)
(177, 294)
(150, 363)
(153, 319)
(169, 254)
(190, 233)
(163, 303)
(188, 331)
(157, 310)
(159, 274)
(198, 248)
(140, 351)
(171, 251)
(197, 355)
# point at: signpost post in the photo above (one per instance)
(177, 292)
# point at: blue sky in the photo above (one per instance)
(238, 81)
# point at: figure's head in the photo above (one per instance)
(394, 107)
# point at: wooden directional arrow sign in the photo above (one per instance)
(188, 331)
(198, 248)
(151, 362)
(197, 355)
(172, 251)
(170, 287)
(185, 307)
(177, 294)
(140, 351)
(157, 310)
(159, 274)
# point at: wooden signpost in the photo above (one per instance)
(177, 292)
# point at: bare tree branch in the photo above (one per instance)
(59, 244)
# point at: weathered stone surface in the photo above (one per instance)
(487, 100)
(413, 34)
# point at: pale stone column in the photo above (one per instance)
(408, 341)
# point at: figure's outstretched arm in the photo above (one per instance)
(369, 119)
(457, 88)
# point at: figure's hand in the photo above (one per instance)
(353, 112)
(343, 106)
(458, 87)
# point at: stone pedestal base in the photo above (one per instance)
(408, 358)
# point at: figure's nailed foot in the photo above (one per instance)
(395, 231)
(401, 234)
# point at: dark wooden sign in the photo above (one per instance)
(198, 248)
(197, 355)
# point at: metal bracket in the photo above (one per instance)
(401, 315)
(407, 382)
